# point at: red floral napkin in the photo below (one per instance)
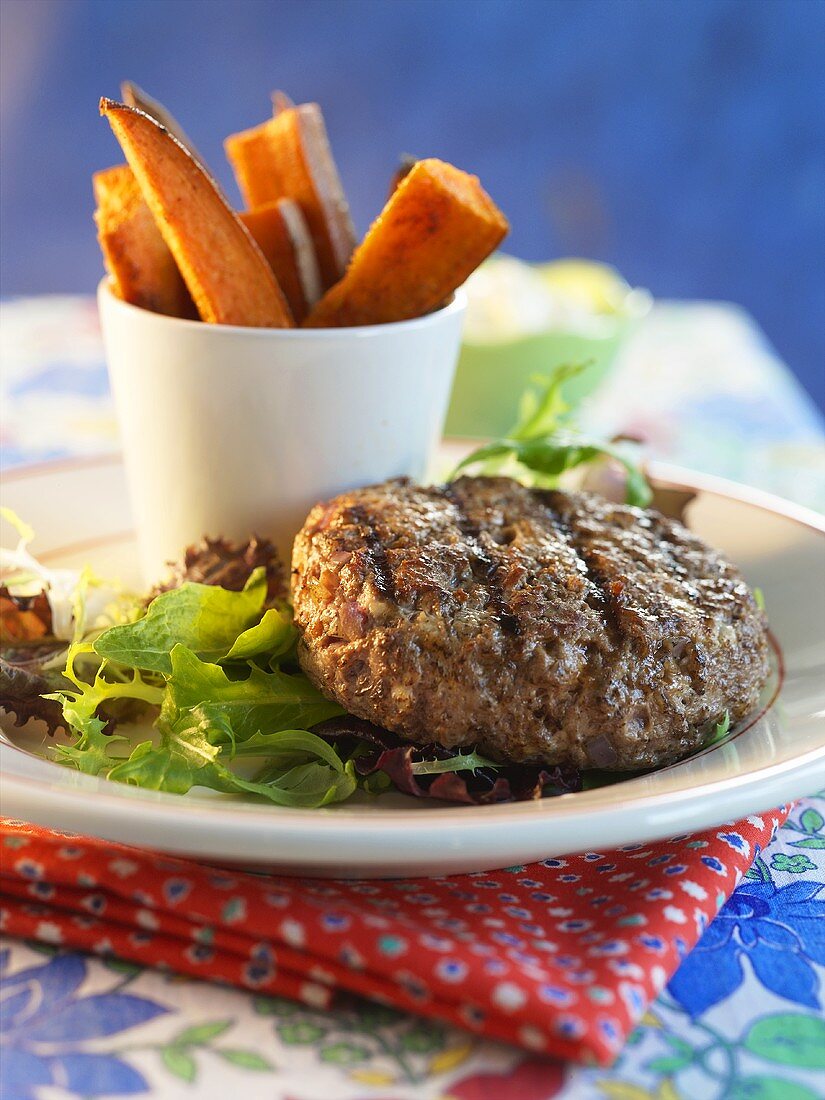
(562, 956)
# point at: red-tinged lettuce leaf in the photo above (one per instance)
(34, 657)
(21, 691)
(379, 750)
(29, 672)
(228, 565)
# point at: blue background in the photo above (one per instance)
(681, 140)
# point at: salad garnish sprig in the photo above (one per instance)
(545, 443)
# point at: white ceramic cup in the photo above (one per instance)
(230, 431)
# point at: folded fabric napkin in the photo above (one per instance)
(561, 956)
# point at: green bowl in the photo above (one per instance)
(491, 377)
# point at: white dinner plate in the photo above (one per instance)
(80, 513)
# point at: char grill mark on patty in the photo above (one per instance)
(607, 633)
(376, 557)
(484, 569)
(651, 603)
(601, 592)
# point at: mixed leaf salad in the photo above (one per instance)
(197, 685)
(211, 670)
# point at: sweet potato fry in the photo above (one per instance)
(134, 96)
(140, 265)
(227, 276)
(281, 233)
(437, 227)
(288, 157)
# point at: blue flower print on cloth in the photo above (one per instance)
(45, 1022)
(778, 932)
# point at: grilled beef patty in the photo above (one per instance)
(536, 624)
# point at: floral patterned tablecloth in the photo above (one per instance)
(743, 1018)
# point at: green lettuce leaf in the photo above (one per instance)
(467, 761)
(209, 720)
(719, 732)
(209, 715)
(307, 785)
(274, 635)
(81, 704)
(182, 758)
(288, 747)
(302, 770)
(206, 619)
(542, 411)
(563, 450)
(263, 702)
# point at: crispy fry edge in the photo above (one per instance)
(270, 309)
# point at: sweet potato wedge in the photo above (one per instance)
(280, 231)
(288, 157)
(140, 265)
(134, 96)
(437, 227)
(229, 279)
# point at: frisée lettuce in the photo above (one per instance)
(208, 662)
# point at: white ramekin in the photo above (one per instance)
(230, 431)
